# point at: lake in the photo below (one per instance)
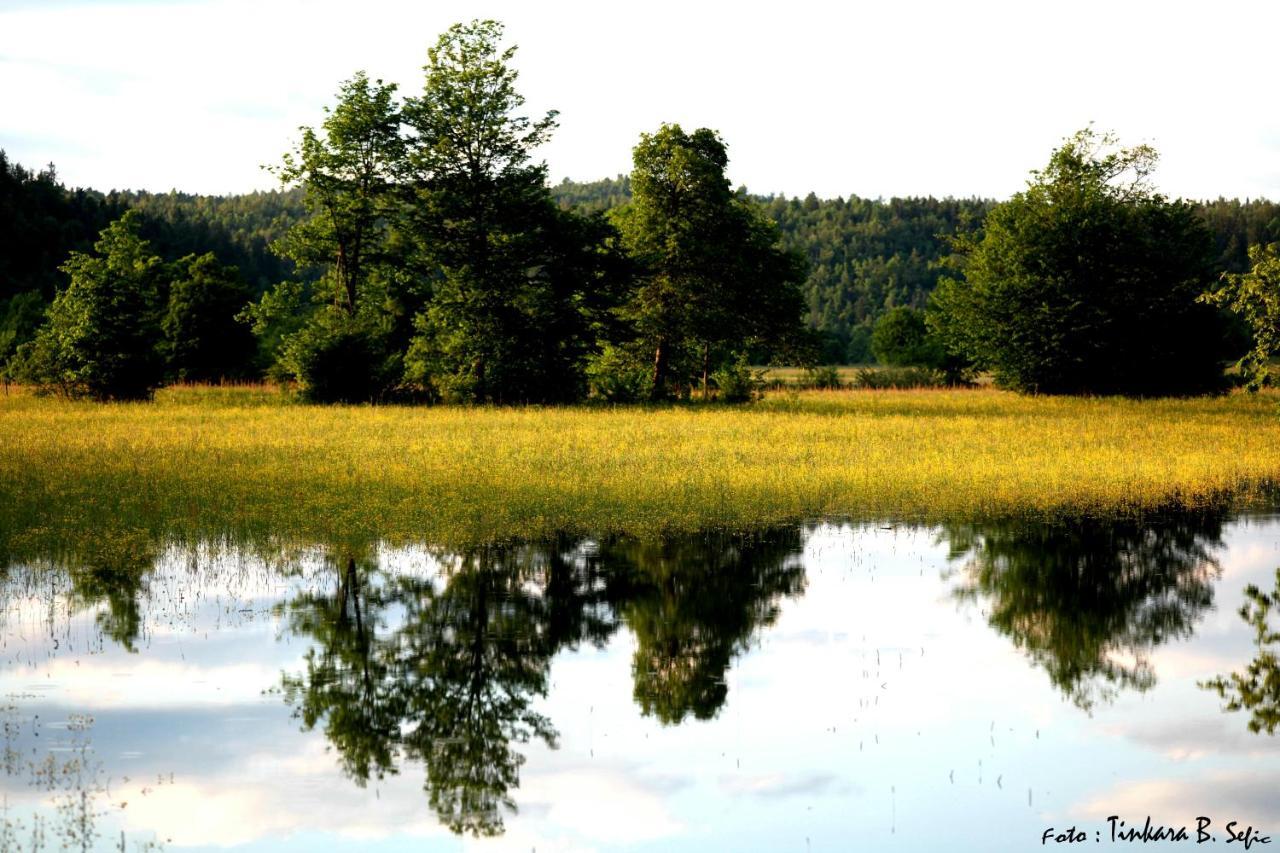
(826, 687)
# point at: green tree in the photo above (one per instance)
(520, 286)
(203, 339)
(712, 280)
(1086, 282)
(350, 172)
(901, 338)
(1255, 297)
(99, 338)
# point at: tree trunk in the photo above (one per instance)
(659, 372)
(706, 370)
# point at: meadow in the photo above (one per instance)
(204, 462)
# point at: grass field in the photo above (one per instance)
(203, 462)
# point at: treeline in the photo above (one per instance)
(866, 256)
(869, 256)
(42, 222)
(430, 261)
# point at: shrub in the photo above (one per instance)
(617, 377)
(737, 382)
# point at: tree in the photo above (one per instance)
(350, 172)
(519, 285)
(1086, 282)
(712, 279)
(1255, 297)
(203, 340)
(901, 338)
(99, 338)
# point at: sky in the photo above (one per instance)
(879, 99)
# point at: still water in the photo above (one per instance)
(830, 687)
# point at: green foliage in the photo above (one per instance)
(1086, 282)
(900, 339)
(522, 288)
(274, 319)
(1257, 689)
(99, 339)
(348, 172)
(1255, 297)
(712, 280)
(338, 358)
(737, 382)
(826, 378)
(203, 340)
(899, 377)
(617, 376)
(20, 317)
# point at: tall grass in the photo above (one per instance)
(203, 462)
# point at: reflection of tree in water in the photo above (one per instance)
(694, 604)
(1089, 598)
(111, 568)
(1257, 689)
(447, 672)
(452, 681)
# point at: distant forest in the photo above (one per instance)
(866, 256)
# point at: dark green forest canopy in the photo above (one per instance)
(866, 256)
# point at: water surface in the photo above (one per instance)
(819, 688)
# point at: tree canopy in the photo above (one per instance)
(712, 281)
(1087, 282)
(1255, 297)
(99, 339)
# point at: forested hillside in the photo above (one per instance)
(865, 255)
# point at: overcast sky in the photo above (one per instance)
(874, 99)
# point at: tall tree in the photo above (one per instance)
(1087, 282)
(513, 272)
(350, 172)
(712, 279)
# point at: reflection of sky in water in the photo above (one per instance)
(877, 712)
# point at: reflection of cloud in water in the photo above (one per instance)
(1249, 798)
(773, 785)
(1198, 737)
(610, 804)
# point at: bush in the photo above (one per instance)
(737, 382)
(900, 377)
(617, 377)
(336, 359)
(825, 377)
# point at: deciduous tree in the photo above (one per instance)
(99, 338)
(1086, 282)
(1255, 297)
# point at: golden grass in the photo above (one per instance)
(245, 461)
